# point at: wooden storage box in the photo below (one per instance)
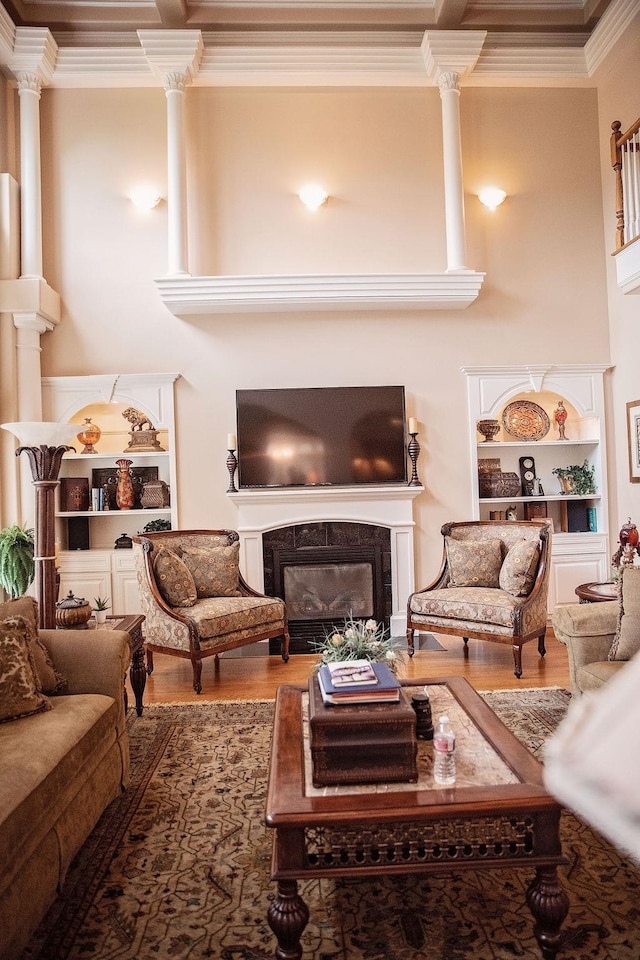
(367, 743)
(499, 485)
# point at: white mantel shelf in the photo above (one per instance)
(325, 494)
(187, 296)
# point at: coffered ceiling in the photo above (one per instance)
(545, 21)
(311, 42)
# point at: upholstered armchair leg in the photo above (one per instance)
(410, 644)
(196, 663)
(285, 646)
(149, 654)
(465, 640)
(541, 647)
(517, 659)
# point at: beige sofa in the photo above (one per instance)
(601, 637)
(588, 630)
(59, 770)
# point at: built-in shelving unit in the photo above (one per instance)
(580, 546)
(89, 563)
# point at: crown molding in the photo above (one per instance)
(192, 296)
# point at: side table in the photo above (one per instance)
(131, 624)
(596, 592)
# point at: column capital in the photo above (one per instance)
(175, 81)
(34, 57)
(173, 53)
(451, 52)
(29, 82)
(449, 81)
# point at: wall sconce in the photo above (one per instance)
(313, 196)
(145, 197)
(492, 197)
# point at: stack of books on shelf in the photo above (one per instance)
(357, 681)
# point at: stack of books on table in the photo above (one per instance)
(357, 681)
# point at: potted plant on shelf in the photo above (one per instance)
(100, 606)
(576, 479)
(17, 566)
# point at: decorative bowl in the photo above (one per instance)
(72, 612)
(488, 429)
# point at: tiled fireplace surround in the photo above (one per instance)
(389, 506)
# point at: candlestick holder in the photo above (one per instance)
(414, 451)
(232, 466)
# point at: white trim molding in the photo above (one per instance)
(192, 296)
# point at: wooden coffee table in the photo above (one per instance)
(131, 623)
(497, 815)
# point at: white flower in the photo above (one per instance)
(350, 633)
(371, 626)
(336, 639)
(390, 655)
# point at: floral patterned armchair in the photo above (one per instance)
(492, 585)
(195, 600)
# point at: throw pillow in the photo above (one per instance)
(174, 580)
(627, 639)
(519, 568)
(51, 680)
(214, 569)
(20, 690)
(474, 563)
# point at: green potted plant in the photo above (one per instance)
(17, 566)
(360, 640)
(577, 479)
(100, 606)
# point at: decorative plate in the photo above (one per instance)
(525, 420)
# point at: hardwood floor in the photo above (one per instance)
(487, 666)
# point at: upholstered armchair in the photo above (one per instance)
(195, 600)
(492, 585)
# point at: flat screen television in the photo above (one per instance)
(314, 436)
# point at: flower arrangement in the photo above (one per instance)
(581, 479)
(360, 640)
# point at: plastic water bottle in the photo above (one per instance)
(444, 757)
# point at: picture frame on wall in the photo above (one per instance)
(633, 430)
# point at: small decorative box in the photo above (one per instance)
(367, 743)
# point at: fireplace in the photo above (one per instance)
(327, 573)
(264, 513)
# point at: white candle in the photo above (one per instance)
(231, 441)
(413, 425)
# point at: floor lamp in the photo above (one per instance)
(44, 443)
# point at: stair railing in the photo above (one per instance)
(625, 160)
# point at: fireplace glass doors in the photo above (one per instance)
(324, 586)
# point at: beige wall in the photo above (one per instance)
(619, 99)
(379, 153)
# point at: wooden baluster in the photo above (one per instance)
(616, 163)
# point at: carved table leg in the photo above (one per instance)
(288, 916)
(549, 905)
(138, 676)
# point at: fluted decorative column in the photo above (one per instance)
(29, 88)
(452, 152)
(174, 86)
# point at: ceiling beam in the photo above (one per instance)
(450, 13)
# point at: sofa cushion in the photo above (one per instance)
(174, 579)
(220, 616)
(592, 676)
(473, 563)
(627, 639)
(20, 688)
(51, 680)
(519, 568)
(44, 761)
(214, 569)
(477, 604)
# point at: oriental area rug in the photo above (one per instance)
(178, 868)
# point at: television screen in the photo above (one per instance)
(310, 436)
